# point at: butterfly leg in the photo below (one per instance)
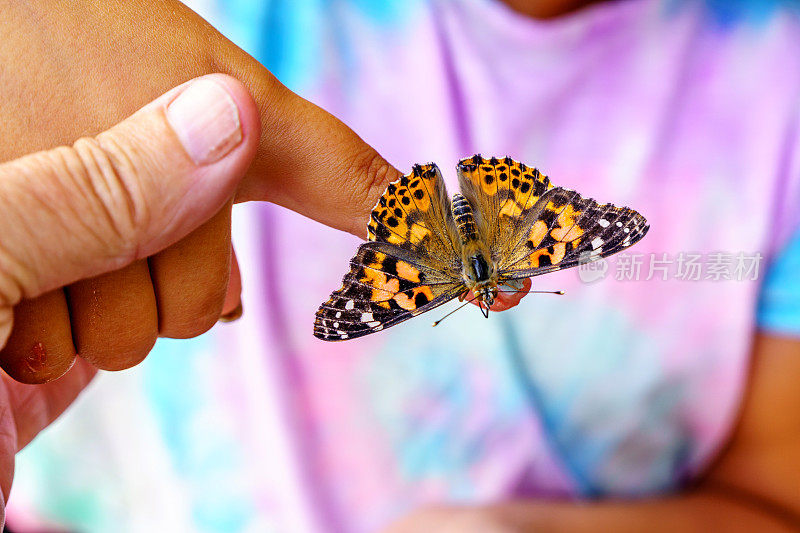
(506, 299)
(513, 285)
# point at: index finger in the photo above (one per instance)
(308, 160)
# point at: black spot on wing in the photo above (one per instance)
(389, 265)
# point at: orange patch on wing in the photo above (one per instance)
(533, 259)
(401, 227)
(510, 208)
(574, 233)
(538, 232)
(418, 233)
(383, 287)
(394, 238)
(406, 271)
(567, 230)
(559, 251)
(379, 259)
(409, 303)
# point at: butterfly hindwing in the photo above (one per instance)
(414, 214)
(385, 286)
(502, 192)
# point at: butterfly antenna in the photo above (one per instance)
(454, 310)
(538, 292)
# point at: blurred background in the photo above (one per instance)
(626, 386)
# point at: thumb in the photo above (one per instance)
(93, 207)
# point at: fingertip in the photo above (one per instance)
(248, 110)
(232, 308)
(508, 300)
(233, 315)
(217, 123)
(249, 117)
(526, 287)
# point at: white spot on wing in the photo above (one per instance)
(603, 223)
(366, 317)
(338, 314)
(597, 243)
(349, 305)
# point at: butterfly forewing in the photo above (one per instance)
(385, 286)
(564, 229)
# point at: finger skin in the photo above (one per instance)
(114, 317)
(328, 167)
(506, 300)
(40, 347)
(233, 296)
(77, 211)
(99, 85)
(190, 279)
(330, 175)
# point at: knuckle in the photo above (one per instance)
(15, 281)
(107, 174)
(83, 191)
(192, 324)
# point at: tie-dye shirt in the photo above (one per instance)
(627, 385)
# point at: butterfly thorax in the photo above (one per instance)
(478, 269)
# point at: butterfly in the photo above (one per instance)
(506, 224)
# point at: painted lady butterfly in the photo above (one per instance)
(508, 223)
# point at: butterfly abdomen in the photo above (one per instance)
(465, 221)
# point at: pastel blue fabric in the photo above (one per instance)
(779, 304)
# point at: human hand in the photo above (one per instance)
(62, 80)
(102, 204)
